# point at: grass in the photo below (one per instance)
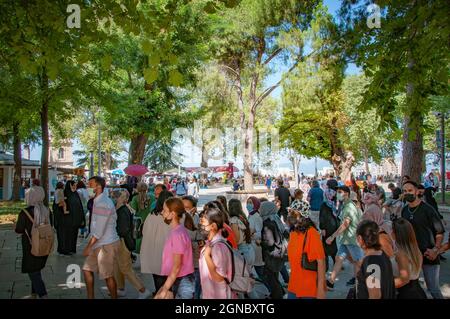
(438, 197)
(9, 211)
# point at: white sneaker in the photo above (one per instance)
(145, 294)
(121, 293)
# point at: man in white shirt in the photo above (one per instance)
(103, 246)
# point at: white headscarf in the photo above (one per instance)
(36, 197)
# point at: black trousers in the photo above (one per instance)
(271, 278)
(37, 284)
(159, 281)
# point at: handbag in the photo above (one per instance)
(306, 264)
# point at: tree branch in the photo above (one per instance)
(278, 51)
(273, 87)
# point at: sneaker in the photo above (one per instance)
(351, 282)
(145, 294)
(330, 285)
(121, 293)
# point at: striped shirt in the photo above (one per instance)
(104, 221)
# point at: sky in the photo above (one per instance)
(192, 158)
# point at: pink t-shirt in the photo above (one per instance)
(178, 242)
(221, 257)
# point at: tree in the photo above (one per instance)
(247, 39)
(159, 155)
(405, 55)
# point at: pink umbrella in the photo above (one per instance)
(136, 170)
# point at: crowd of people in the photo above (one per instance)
(283, 245)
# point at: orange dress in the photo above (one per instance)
(303, 283)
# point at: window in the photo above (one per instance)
(61, 153)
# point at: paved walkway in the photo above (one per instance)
(15, 285)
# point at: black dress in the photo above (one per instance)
(329, 223)
(30, 263)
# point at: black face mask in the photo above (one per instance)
(410, 197)
(420, 195)
(167, 221)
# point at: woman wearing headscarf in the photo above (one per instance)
(274, 247)
(33, 265)
(328, 224)
(141, 203)
(75, 219)
(374, 213)
(256, 225)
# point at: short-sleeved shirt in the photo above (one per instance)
(304, 282)
(427, 224)
(222, 259)
(241, 226)
(178, 242)
(376, 265)
(350, 211)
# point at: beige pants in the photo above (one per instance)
(125, 269)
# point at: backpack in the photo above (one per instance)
(241, 279)
(42, 238)
(277, 247)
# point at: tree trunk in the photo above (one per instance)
(45, 151)
(45, 137)
(366, 161)
(17, 162)
(205, 149)
(295, 161)
(347, 166)
(137, 149)
(412, 150)
(248, 153)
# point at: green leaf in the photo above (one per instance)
(210, 8)
(154, 59)
(173, 59)
(52, 72)
(147, 47)
(150, 75)
(175, 78)
(106, 62)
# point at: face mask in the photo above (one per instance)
(91, 192)
(114, 201)
(340, 197)
(167, 221)
(410, 197)
(249, 208)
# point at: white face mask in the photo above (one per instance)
(91, 192)
(340, 196)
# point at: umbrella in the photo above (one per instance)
(118, 172)
(136, 170)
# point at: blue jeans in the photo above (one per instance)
(284, 273)
(184, 287)
(291, 295)
(198, 286)
(37, 284)
(431, 275)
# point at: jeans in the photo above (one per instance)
(184, 287)
(37, 284)
(198, 286)
(284, 273)
(431, 274)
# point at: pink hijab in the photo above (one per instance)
(373, 212)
